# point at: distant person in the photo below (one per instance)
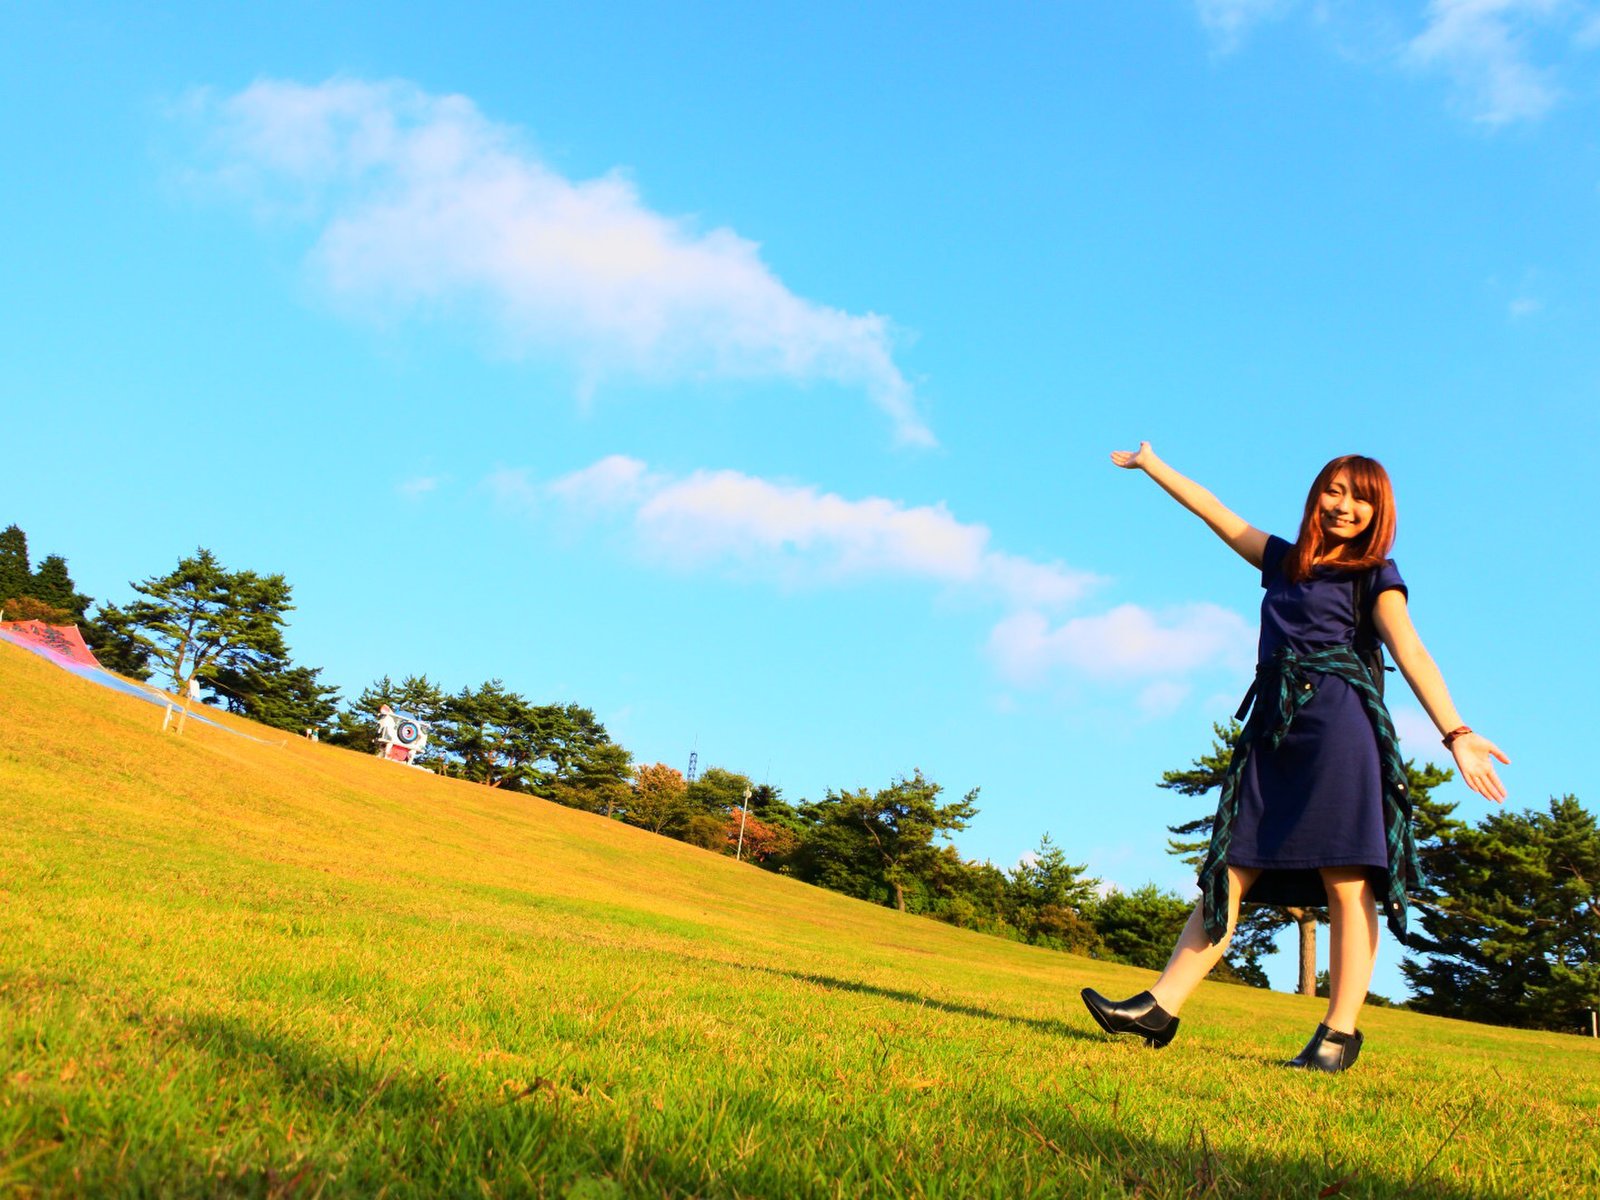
(388, 730)
(1314, 807)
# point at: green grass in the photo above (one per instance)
(236, 969)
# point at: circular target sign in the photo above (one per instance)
(407, 732)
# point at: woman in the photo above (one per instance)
(1314, 809)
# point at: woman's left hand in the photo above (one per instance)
(1474, 760)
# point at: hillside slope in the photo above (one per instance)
(230, 967)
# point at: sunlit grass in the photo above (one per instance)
(233, 968)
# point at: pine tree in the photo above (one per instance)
(1141, 926)
(492, 732)
(277, 693)
(53, 584)
(879, 844)
(417, 695)
(1513, 934)
(16, 574)
(110, 634)
(1047, 897)
(598, 780)
(202, 617)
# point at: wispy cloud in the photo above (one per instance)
(1524, 306)
(1505, 58)
(1129, 641)
(513, 489)
(802, 533)
(1415, 729)
(1163, 698)
(799, 535)
(419, 486)
(1229, 20)
(1484, 46)
(420, 202)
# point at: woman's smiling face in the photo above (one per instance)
(1344, 514)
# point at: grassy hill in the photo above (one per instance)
(231, 968)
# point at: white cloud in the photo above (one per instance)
(423, 203)
(419, 486)
(1524, 306)
(1414, 727)
(1229, 20)
(615, 479)
(1504, 56)
(711, 517)
(1484, 46)
(1129, 642)
(800, 535)
(1163, 698)
(513, 489)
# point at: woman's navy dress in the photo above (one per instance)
(1317, 800)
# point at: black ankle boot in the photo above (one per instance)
(1328, 1050)
(1140, 1015)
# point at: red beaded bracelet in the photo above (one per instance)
(1455, 733)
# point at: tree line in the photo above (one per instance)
(1508, 924)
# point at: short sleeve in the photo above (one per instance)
(1385, 577)
(1272, 559)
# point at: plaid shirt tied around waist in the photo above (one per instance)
(1283, 684)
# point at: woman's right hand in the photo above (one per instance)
(1133, 460)
(1474, 756)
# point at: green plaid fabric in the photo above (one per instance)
(1283, 684)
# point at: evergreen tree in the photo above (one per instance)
(973, 895)
(110, 634)
(277, 693)
(567, 737)
(1513, 934)
(1047, 899)
(202, 617)
(16, 573)
(597, 781)
(53, 584)
(357, 726)
(493, 734)
(1433, 825)
(1140, 927)
(875, 844)
(718, 791)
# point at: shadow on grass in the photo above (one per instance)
(1088, 1136)
(322, 1078)
(1051, 1026)
(371, 1128)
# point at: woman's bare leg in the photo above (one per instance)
(1352, 943)
(1194, 955)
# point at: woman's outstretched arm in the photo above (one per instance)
(1474, 753)
(1245, 539)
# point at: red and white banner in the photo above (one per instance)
(62, 643)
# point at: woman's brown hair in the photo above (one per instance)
(1369, 482)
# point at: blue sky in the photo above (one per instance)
(748, 374)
